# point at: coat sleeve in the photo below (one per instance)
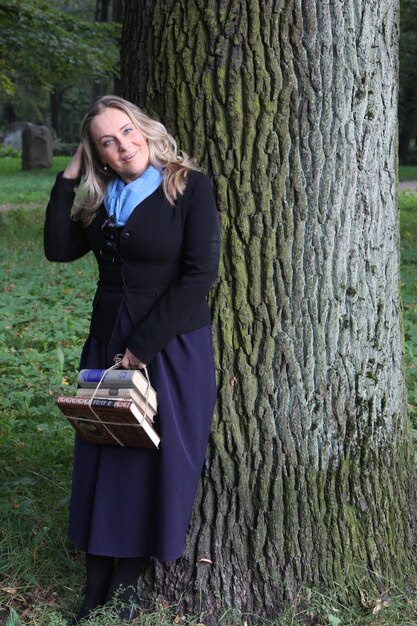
(64, 238)
(199, 267)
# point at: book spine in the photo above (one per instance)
(112, 377)
(90, 376)
(119, 403)
(113, 403)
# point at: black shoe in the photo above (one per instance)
(85, 611)
(128, 614)
(79, 620)
(127, 604)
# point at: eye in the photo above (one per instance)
(107, 142)
(127, 130)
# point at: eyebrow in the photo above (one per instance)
(124, 126)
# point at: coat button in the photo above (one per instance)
(126, 235)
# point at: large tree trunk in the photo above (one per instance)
(117, 16)
(291, 107)
(55, 100)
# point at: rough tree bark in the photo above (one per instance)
(291, 106)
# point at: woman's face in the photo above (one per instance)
(120, 144)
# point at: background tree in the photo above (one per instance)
(292, 107)
(57, 48)
(408, 83)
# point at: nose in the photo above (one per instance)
(123, 144)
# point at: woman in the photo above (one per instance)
(150, 219)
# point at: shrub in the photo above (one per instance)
(8, 151)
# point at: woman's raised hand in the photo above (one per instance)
(73, 169)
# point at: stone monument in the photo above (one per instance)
(37, 147)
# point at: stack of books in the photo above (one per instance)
(119, 410)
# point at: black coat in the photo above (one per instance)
(167, 261)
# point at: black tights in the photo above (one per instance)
(108, 577)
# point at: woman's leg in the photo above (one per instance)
(99, 574)
(124, 585)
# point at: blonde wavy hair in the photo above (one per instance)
(163, 155)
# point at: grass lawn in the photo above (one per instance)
(44, 314)
(407, 172)
(408, 204)
(26, 188)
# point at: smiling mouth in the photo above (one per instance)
(130, 157)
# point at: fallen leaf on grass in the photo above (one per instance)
(364, 598)
(11, 590)
(380, 605)
(373, 604)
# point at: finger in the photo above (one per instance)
(125, 362)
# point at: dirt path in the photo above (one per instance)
(9, 207)
(407, 185)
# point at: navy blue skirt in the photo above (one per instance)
(131, 502)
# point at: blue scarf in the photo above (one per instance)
(120, 199)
